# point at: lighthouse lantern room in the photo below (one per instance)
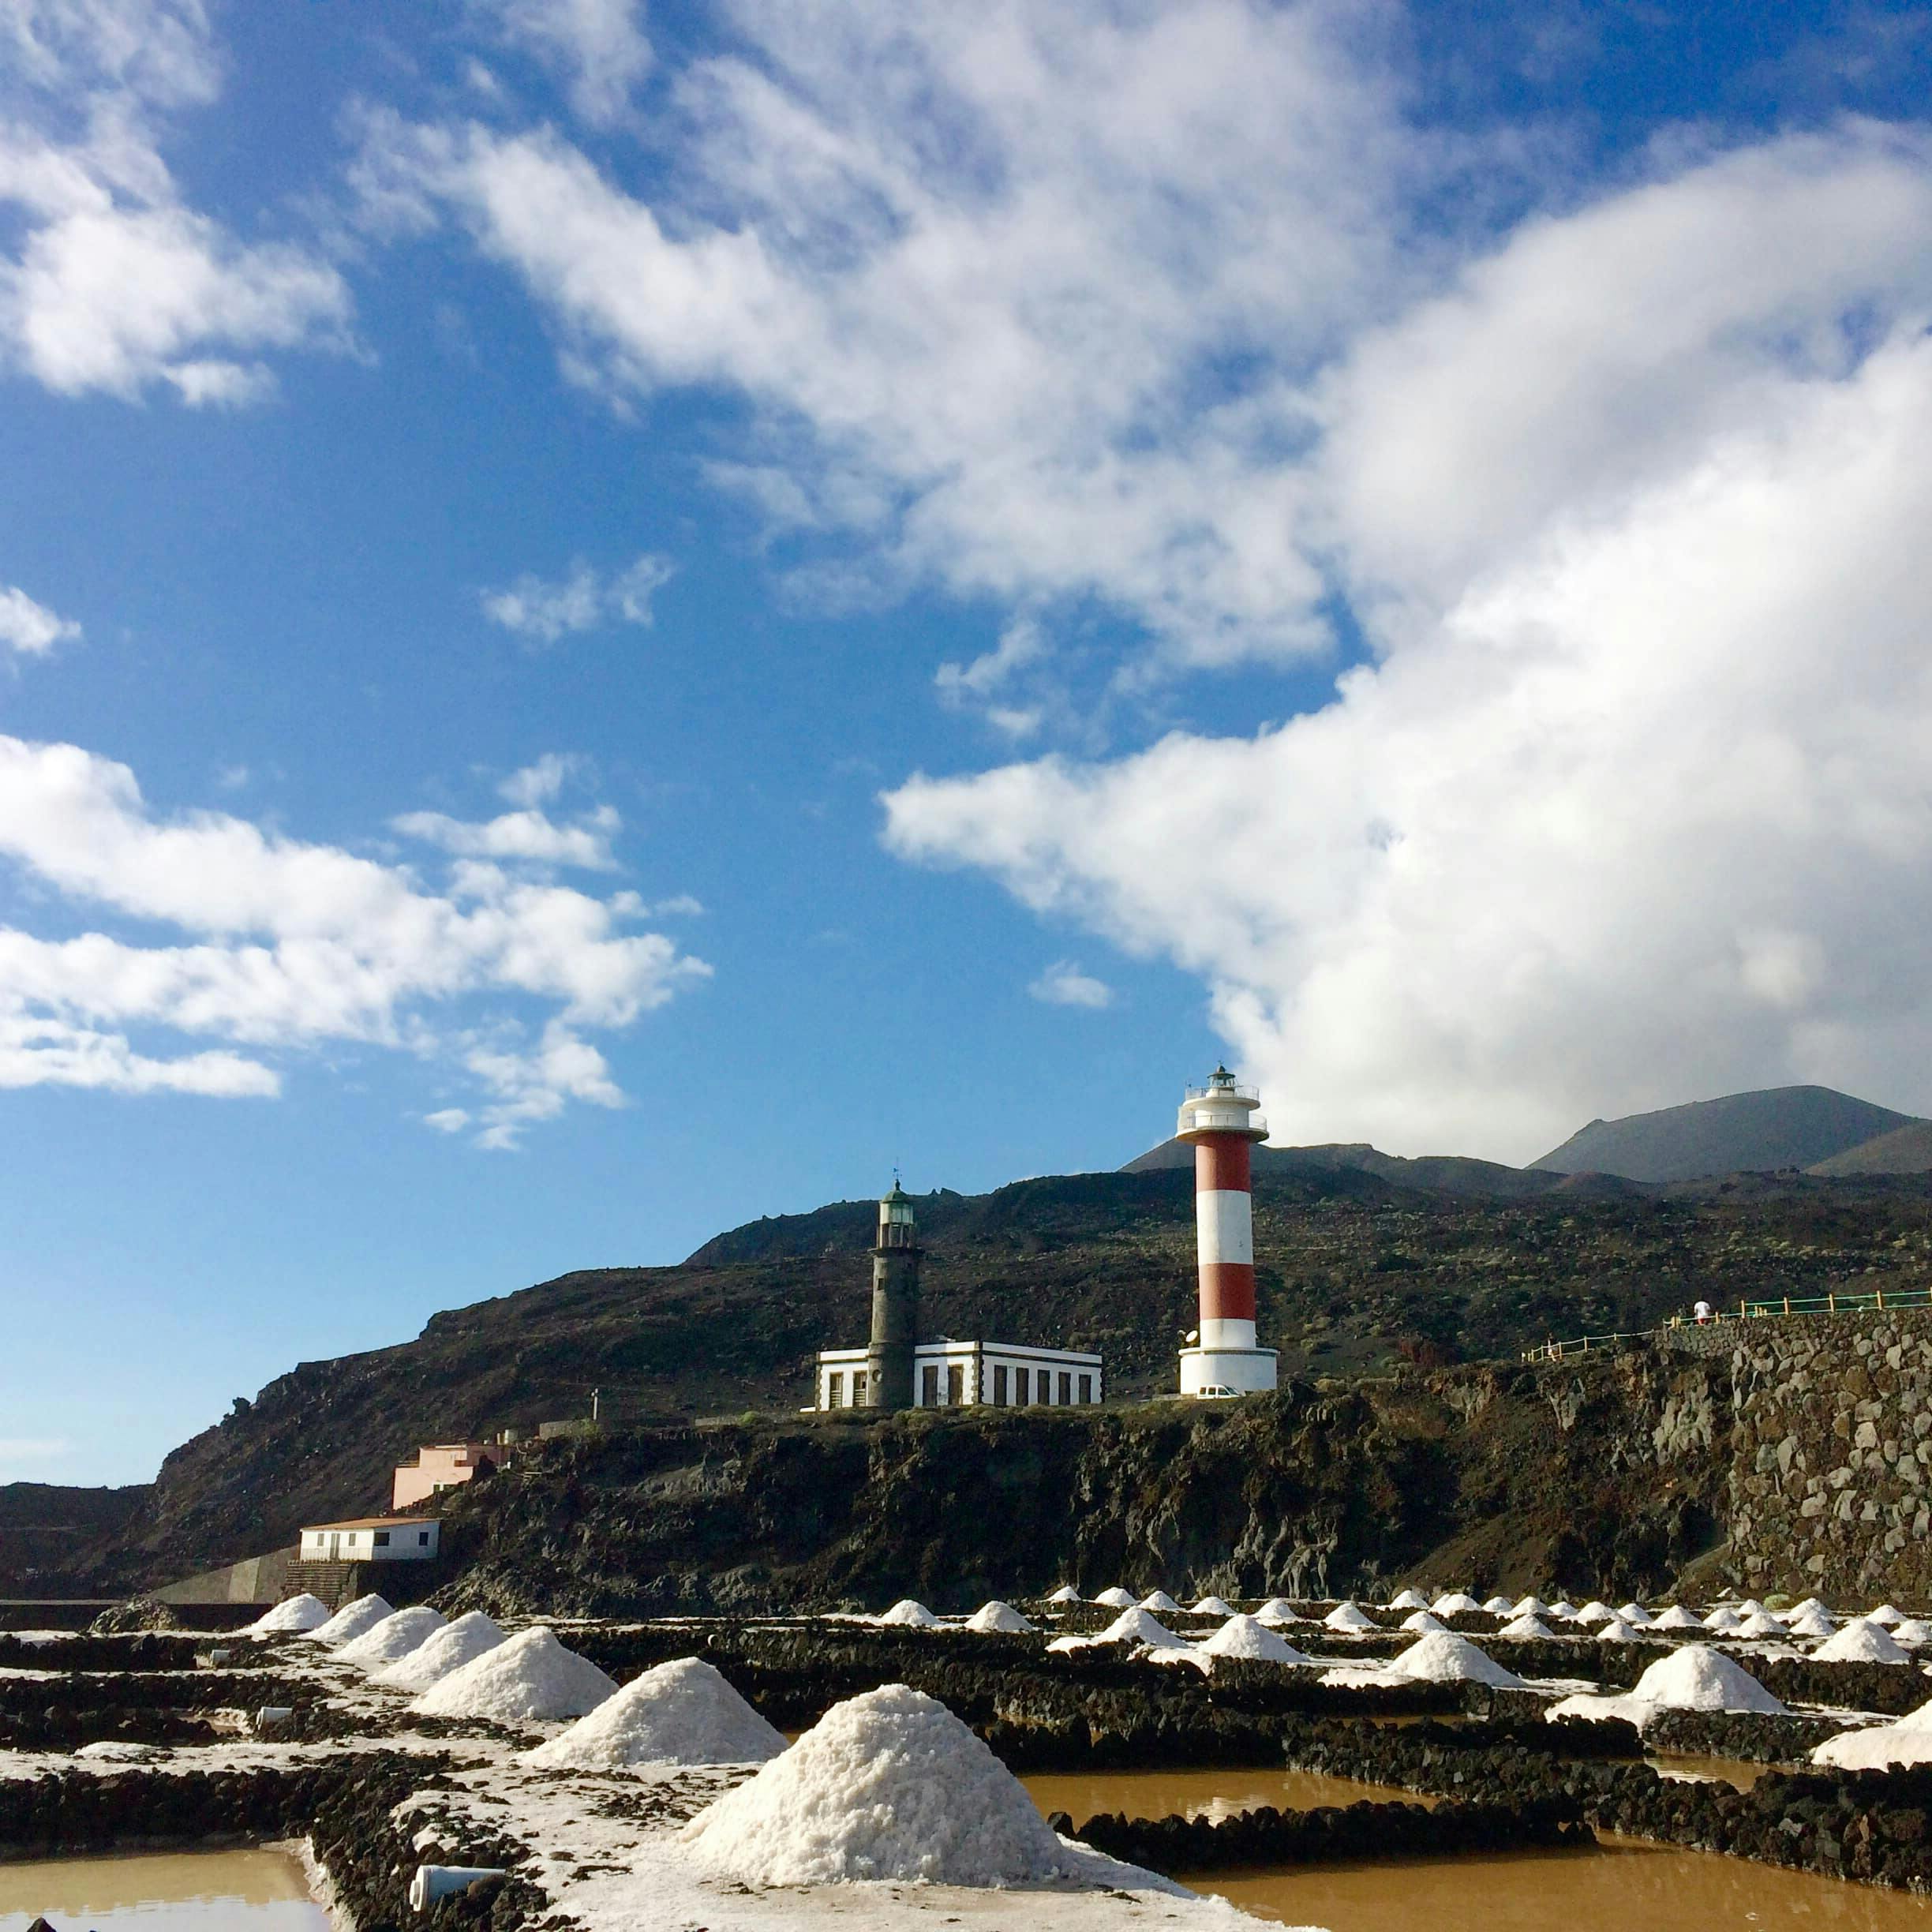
(1222, 1121)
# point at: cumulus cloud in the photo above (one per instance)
(530, 835)
(109, 281)
(544, 610)
(1064, 984)
(286, 945)
(30, 628)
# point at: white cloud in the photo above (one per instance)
(1024, 298)
(1641, 816)
(535, 1086)
(546, 610)
(538, 782)
(599, 47)
(30, 628)
(286, 945)
(1064, 984)
(112, 283)
(447, 1120)
(527, 835)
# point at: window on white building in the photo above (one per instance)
(835, 1391)
(929, 1385)
(999, 1382)
(1066, 1387)
(1086, 1383)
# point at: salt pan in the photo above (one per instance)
(1693, 1677)
(913, 1616)
(352, 1619)
(394, 1637)
(1349, 1616)
(1861, 1642)
(531, 1677)
(998, 1618)
(1247, 1637)
(1443, 1657)
(1526, 1629)
(682, 1712)
(445, 1650)
(293, 1616)
(1908, 1741)
(889, 1785)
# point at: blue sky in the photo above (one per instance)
(612, 620)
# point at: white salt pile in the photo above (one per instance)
(1723, 1619)
(1907, 1741)
(1886, 1614)
(1409, 1600)
(1564, 1607)
(997, 1618)
(1595, 1612)
(1066, 1593)
(887, 1786)
(1759, 1623)
(529, 1679)
(912, 1615)
(1693, 1677)
(1530, 1606)
(1115, 1599)
(1861, 1642)
(1139, 1626)
(1913, 1630)
(1211, 1606)
(352, 1619)
(445, 1650)
(1423, 1620)
(292, 1616)
(1812, 1622)
(1443, 1657)
(1247, 1637)
(1454, 1604)
(394, 1637)
(1676, 1617)
(1158, 1600)
(1635, 1613)
(1810, 1603)
(1526, 1629)
(1278, 1610)
(681, 1712)
(1501, 1606)
(1349, 1616)
(1616, 1631)
(1751, 1607)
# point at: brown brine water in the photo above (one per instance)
(1217, 1794)
(259, 1890)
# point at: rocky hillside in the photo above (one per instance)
(1456, 1474)
(1765, 1132)
(1358, 1274)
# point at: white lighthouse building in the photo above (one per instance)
(1222, 1121)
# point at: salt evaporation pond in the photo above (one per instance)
(1621, 1886)
(164, 1892)
(1195, 1793)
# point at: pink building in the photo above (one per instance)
(438, 1466)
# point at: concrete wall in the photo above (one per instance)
(254, 1580)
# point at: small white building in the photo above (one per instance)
(955, 1375)
(372, 1539)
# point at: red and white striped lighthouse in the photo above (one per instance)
(1221, 1121)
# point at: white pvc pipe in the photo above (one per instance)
(434, 1881)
